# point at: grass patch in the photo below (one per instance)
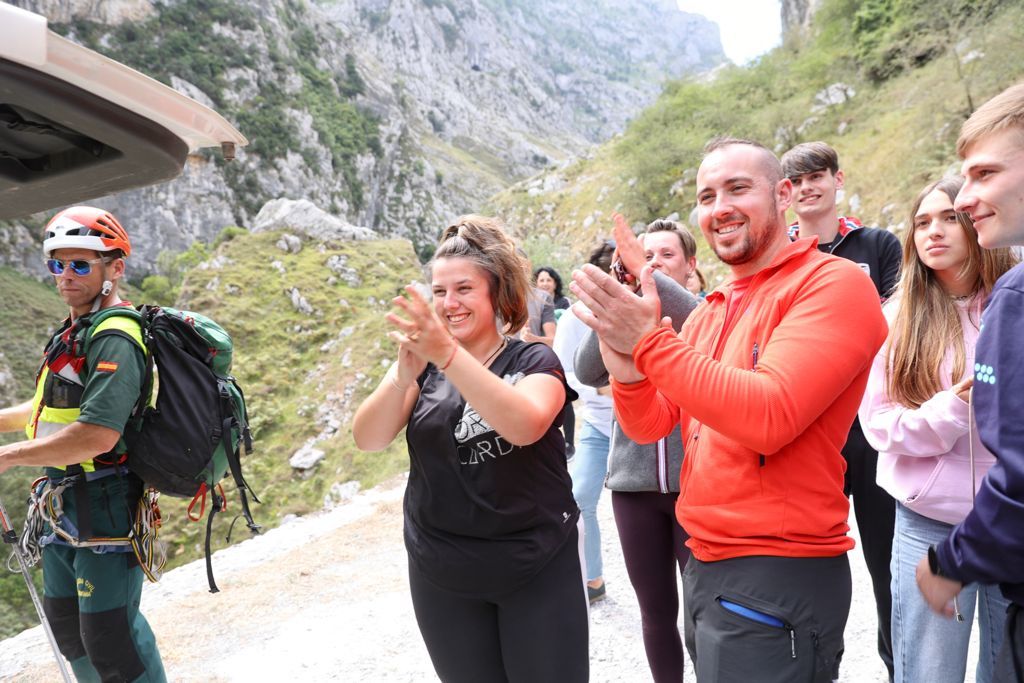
(291, 365)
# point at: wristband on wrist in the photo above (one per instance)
(933, 562)
(455, 349)
(397, 385)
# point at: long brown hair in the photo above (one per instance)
(483, 241)
(927, 324)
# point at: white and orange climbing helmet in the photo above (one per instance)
(85, 227)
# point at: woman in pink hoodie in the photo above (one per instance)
(916, 413)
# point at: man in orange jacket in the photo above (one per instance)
(765, 380)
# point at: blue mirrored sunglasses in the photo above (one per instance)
(78, 266)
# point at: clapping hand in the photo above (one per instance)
(620, 317)
(421, 336)
(628, 250)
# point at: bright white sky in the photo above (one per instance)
(748, 27)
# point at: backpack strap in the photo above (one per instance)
(124, 321)
(233, 454)
(235, 465)
(127, 322)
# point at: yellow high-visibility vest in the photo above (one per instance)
(45, 420)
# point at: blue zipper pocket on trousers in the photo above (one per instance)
(761, 618)
(751, 614)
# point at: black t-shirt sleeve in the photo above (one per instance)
(890, 259)
(547, 314)
(540, 358)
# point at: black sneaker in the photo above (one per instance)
(595, 594)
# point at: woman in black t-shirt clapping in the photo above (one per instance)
(490, 521)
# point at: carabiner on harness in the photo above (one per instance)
(46, 508)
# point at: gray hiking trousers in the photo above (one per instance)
(766, 619)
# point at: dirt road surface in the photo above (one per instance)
(325, 598)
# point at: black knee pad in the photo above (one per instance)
(62, 613)
(108, 641)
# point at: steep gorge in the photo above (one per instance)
(391, 114)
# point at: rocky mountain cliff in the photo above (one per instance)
(887, 83)
(391, 114)
(797, 15)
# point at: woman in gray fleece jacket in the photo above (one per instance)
(644, 478)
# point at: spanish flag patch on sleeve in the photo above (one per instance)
(106, 366)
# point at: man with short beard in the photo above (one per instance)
(765, 380)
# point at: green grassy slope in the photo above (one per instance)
(915, 69)
(30, 313)
(300, 372)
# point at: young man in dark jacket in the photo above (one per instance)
(813, 168)
(988, 546)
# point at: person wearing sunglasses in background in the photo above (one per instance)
(92, 582)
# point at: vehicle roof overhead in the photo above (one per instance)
(75, 125)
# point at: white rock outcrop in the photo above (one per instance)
(305, 218)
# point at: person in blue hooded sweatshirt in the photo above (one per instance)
(988, 546)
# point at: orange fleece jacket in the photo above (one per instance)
(762, 431)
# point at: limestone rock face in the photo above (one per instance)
(303, 217)
(22, 250)
(113, 12)
(172, 216)
(465, 97)
(796, 14)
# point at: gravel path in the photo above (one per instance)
(325, 598)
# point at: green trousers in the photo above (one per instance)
(92, 599)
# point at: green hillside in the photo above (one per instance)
(303, 374)
(31, 312)
(912, 71)
(299, 371)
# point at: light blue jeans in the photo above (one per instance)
(928, 647)
(588, 471)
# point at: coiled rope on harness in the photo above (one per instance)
(150, 551)
(46, 509)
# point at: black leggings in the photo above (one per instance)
(536, 633)
(653, 546)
